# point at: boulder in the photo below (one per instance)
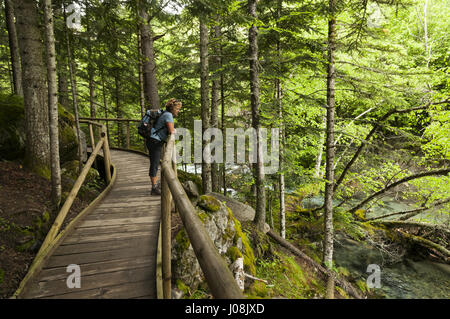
(13, 135)
(241, 211)
(226, 234)
(191, 189)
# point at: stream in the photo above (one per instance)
(411, 277)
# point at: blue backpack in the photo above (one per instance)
(148, 121)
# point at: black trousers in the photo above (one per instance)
(154, 149)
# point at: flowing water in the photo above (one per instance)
(409, 277)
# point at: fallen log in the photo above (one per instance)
(409, 224)
(348, 288)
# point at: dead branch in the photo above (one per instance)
(443, 171)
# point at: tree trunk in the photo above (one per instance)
(204, 70)
(330, 151)
(73, 84)
(215, 101)
(140, 75)
(120, 141)
(280, 114)
(317, 168)
(52, 105)
(14, 48)
(37, 155)
(260, 211)
(222, 100)
(148, 65)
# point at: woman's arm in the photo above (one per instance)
(170, 127)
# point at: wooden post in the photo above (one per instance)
(91, 134)
(166, 207)
(70, 198)
(106, 155)
(128, 134)
(219, 278)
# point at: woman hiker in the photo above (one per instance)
(158, 136)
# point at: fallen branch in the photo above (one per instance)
(412, 212)
(339, 281)
(406, 224)
(443, 171)
(372, 132)
(255, 278)
(428, 244)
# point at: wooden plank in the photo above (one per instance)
(130, 290)
(109, 215)
(99, 267)
(95, 281)
(107, 237)
(140, 200)
(118, 210)
(118, 221)
(69, 249)
(133, 204)
(92, 257)
(150, 227)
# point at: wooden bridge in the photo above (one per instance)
(119, 246)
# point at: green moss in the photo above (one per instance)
(249, 256)
(342, 292)
(233, 253)
(209, 203)
(362, 285)
(182, 240)
(185, 176)
(43, 171)
(361, 214)
(202, 215)
(182, 287)
(257, 289)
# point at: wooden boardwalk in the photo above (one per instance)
(114, 246)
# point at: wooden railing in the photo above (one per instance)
(219, 278)
(52, 235)
(128, 133)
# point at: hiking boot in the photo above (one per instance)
(156, 189)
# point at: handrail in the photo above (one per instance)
(219, 278)
(52, 235)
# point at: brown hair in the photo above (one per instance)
(171, 104)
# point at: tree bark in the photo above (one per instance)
(52, 104)
(330, 151)
(37, 154)
(280, 114)
(152, 100)
(317, 168)
(120, 142)
(215, 87)
(73, 84)
(204, 70)
(14, 48)
(260, 211)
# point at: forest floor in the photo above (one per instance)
(24, 221)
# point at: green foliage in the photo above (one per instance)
(286, 278)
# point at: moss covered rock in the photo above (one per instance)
(226, 234)
(13, 134)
